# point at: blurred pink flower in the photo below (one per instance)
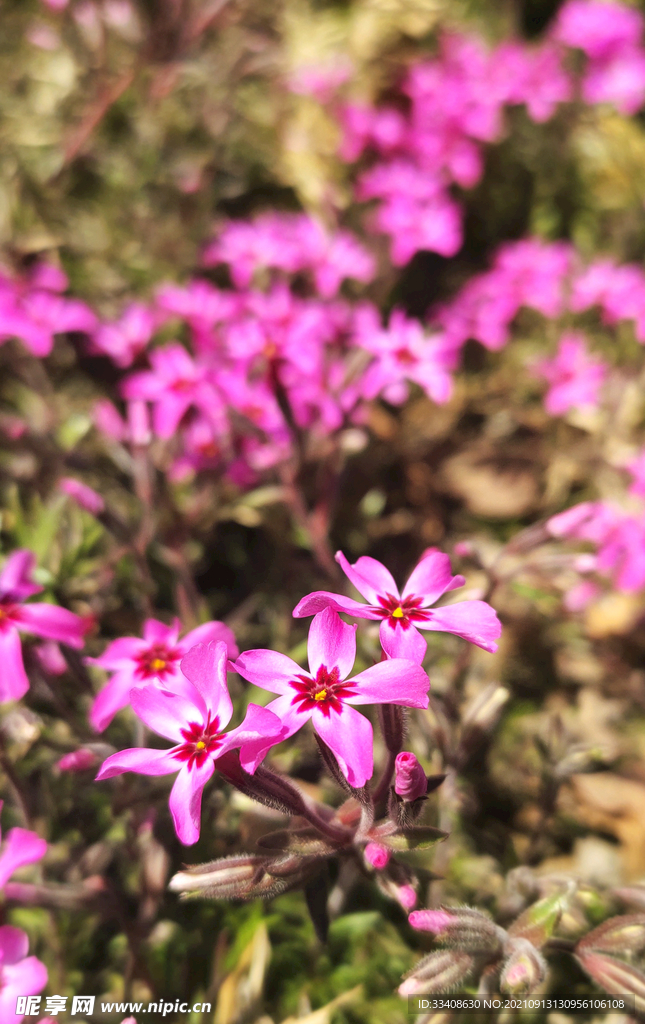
(46, 620)
(20, 975)
(574, 376)
(154, 659)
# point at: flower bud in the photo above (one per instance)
(615, 976)
(407, 897)
(438, 972)
(78, 760)
(50, 657)
(218, 877)
(617, 935)
(431, 920)
(461, 928)
(377, 856)
(410, 780)
(524, 970)
(83, 495)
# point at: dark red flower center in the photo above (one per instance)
(405, 357)
(8, 613)
(402, 611)
(199, 741)
(157, 660)
(325, 692)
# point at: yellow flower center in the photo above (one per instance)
(200, 745)
(321, 695)
(398, 613)
(157, 664)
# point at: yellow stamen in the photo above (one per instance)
(157, 664)
(321, 695)
(200, 745)
(398, 613)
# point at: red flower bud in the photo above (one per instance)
(410, 779)
(377, 855)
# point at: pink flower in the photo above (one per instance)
(153, 659)
(402, 613)
(20, 975)
(324, 694)
(599, 28)
(46, 620)
(193, 717)
(125, 338)
(575, 376)
(410, 780)
(404, 352)
(175, 383)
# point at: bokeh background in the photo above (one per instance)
(131, 130)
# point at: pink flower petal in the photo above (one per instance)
(143, 760)
(205, 665)
(167, 713)
(260, 730)
(268, 669)
(14, 944)
(53, 622)
(321, 599)
(186, 800)
(25, 978)
(21, 847)
(291, 715)
(15, 578)
(211, 632)
(402, 643)
(370, 577)
(473, 620)
(13, 678)
(394, 681)
(114, 696)
(331, 643)
(349, 735)
(155, 632)
(431, 578)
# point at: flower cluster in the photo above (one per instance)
(179, 689)
(454, 104)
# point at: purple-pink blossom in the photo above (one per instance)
(45, 620)
(325, 694)
(402, 614)
(193, 716)
(155, 658)
(20, 975)
(574, 376)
